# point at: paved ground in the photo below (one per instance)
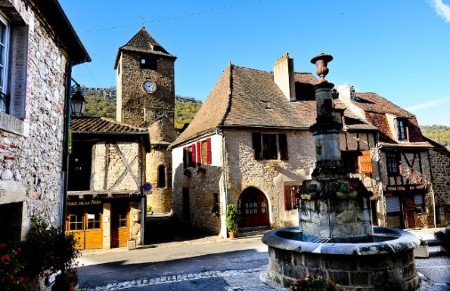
(209, 263)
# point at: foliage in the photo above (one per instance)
(315, 283)
(437, 133)
(231, 217)
(423, 243)
(98, 105)
(444, 237)
(11, 267)
(185, 110)
(46, 249)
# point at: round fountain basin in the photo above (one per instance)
(382, 261)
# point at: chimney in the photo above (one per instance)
(283, 75)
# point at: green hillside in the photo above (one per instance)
(438, 133)
(102, 102)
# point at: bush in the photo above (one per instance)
(231, 217)
(45, 250)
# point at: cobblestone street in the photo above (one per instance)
(206, 264)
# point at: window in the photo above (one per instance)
(161, 176)
(198, 153)
(148, 62)
(4, 48)
(93, 220)
(216, 204)
(393, 164)
(76, 221)
(402, 129)
(290, 197)
(270, 146)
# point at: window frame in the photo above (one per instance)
(290, 197)
(402, 129)
(4, 104)
(393, 158)
(281, 143)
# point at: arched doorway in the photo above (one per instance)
(253, 208)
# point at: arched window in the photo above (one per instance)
(161, 176)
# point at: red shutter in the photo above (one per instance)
(199, 153)
(208, 151)
(193, 153)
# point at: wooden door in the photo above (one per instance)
(409, 213)
(120, 224)
(253, 208)
(85, 223)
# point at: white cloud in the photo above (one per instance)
(428, 104)
(442, 9)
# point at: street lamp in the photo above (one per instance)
(78, 103)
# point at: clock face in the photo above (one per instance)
(149, 86)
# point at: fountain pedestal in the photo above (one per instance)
(335, 236)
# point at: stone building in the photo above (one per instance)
(106, 200)
(414, 177)
(146, 98)
(250, 145)
(38, 49)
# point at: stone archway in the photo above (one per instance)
(253, 208)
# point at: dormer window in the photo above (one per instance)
(402, 127)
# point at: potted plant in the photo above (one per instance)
(422, 250)
(231, 220)
(344, 189)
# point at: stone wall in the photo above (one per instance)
(31, 158)
(440, 161)
(161, 197)
(244, 171)
(109, 169)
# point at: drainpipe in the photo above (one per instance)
(225, 176)
(65, 157)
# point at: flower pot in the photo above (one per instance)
(421, 252)
(232, 234)
(342, 195)
(305, 196)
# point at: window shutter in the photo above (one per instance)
(193, 154)
(365, 163)
(208, 151)
(282, 140)
(199, 153)
(256, 138)
(287, 197)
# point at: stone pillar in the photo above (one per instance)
(135, 223)
(106, 225)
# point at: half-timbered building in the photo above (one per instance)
(106, 200)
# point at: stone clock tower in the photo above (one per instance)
(146, 98)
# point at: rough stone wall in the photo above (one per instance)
(440, 162)
(133, 97)
(161, 198)
(30, 162)
(244, 171)
(108, 163)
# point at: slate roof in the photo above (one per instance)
(101, 125)
(143, 42)
(249, 98)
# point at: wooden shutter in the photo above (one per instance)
(282, 141)
(287, 197)
(208, 151)
(256, 138)
(365, 163)
(199, 153)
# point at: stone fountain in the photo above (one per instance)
(335, 236)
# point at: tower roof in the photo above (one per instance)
(143, 42)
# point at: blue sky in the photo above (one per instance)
(397, 48)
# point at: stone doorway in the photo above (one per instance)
(253, 208)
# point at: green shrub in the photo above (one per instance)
(314, 282)
(231, 217)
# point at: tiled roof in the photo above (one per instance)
(101, 125)
(245, 97)
(143, 42)
(372, 102)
